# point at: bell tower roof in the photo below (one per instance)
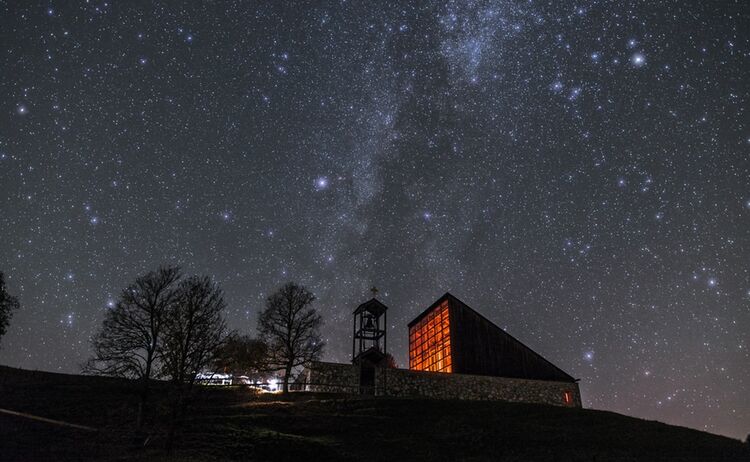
(372, 306)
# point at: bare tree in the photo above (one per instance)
(242, 354)
(290, 326)
(128, 343)
(194, 329)
(8, 304)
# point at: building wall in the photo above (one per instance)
(344, 378)
(429, 342)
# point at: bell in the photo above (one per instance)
(369, 324)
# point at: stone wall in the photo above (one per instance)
(344, 378)
(330, 378)
(403, 382)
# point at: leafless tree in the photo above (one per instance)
(8, 304)
(128, 343)
(194, 330)
(290, 326)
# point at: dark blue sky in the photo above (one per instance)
(577, 172)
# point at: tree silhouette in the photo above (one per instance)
(290, 326)
(8, 304)
(242, 354)
(194, 329)
(128, 343)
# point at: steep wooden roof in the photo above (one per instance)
(481, 347)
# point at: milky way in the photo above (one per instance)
(577, 172)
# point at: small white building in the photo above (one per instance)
(213, 378)
(266, 383)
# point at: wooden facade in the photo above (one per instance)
(468, 343)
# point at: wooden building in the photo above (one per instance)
(451, 337)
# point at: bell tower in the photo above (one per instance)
(369, 345)
(369, 340)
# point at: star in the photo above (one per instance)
(638, 60)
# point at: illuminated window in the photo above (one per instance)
(430, 342)
(568, 397)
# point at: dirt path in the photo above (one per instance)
(46, 420)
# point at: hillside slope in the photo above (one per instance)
(235, 424)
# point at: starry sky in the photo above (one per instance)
(577, 172)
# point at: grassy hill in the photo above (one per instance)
(235, 424)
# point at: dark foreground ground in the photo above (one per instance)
(235, 424)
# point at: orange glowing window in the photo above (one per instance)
(568, 397)
(429, 342)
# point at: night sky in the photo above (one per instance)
(577, 172)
